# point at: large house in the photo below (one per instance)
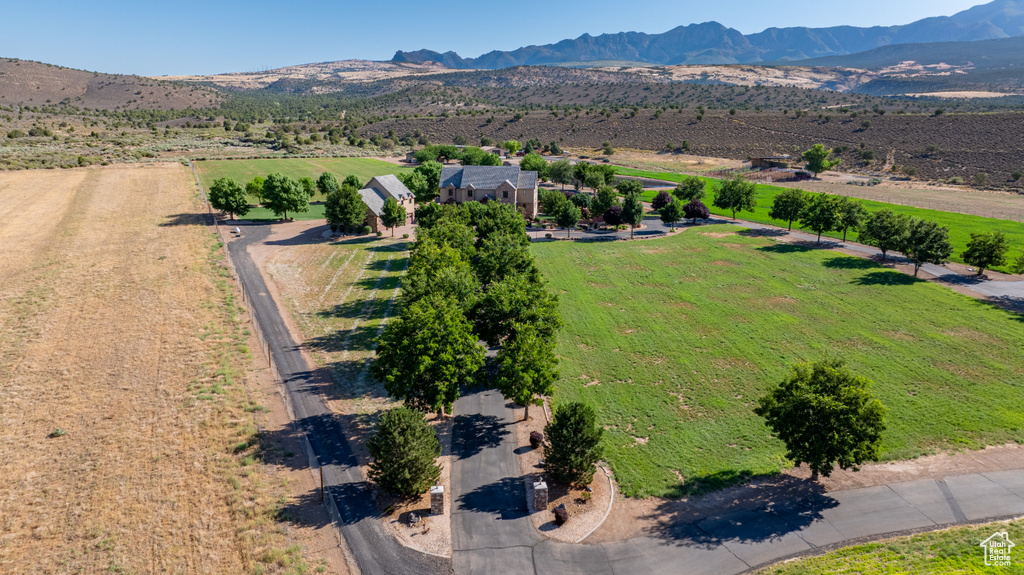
(377, 191)
(507, 184)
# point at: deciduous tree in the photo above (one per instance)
(788, 206)
(818, 161)
(885, 230)
(826, 416)
(821, 214)
(344, 209)
(515, 299)
(632, 211)
(404, 448)
(255, 188)
(535, 163)
(501, 256)
(561, 172)
(613, 216)
(661, 200)
(527, 367)
(327, 183)
(851, 215)
(308, 186)
(927, 243)
(605, 198)
(392, 214)
(427, 354)
(282, 194)
(691, 188)
(695, 210)
(986, 251)
(572, 444)
(736, 195)
(629, 186)
(672, 212)
(229, 197)
(568, 216)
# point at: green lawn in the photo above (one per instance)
(673, 341)
(244, 170)
(950, 551)
(960, 225)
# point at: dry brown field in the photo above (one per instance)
(129, 438)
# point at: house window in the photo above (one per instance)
(450, 193)
(505, 194)
(470, 193)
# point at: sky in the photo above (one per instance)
(215, 36)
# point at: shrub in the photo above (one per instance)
(15, 134)
(613, 216)
(404, 449)
(1016, 175)
(379, 234)
(980, 179)
(572, 447)
(547, 236)
(561, 515)
(405, 236)
(536, 439)
(367, 229)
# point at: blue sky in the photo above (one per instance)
(193, 37)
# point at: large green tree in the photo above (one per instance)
(327, 183)
(561, 172)
(282, 194)
(927, 243)
(736, 195)
(498, 218)
(427, 354)
(435, 268)
(501, 256)
(885, 230)
(632, 211)
(851, 215)
(821, 214)
(535, 163)
(254, 188)
(512, 146)
(572, 444)
(308, 186)
(527, 367)
(392, 215)
(788, 206)
(229, 197)
(404, 448)
(690, 188)
(986, 251)
(344, 209)
(818, 161)
(629, 186)
(453, 234)
(474, 156)
(826, 416)
(516, 300)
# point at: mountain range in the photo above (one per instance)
(714, 43)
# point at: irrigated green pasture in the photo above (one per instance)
(674, 340)
(961, 226)
(244, 170)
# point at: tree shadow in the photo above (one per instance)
(358, 339)
(305, 511)
(474, 432)
(765, 509)
(886, 278)
(199, 219)
(762, 233)
(305, 237)
(849, 263)
(506, 496)
(785, 249)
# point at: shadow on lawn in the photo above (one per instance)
(850, 263)
(786, 249)
(886, 278)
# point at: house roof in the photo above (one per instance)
(391, 186)
(373, 200)
(486, 177)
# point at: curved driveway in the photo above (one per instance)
(491, 532)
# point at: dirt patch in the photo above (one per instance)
(717, 234)
(724, 263)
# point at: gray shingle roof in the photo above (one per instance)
(373, 200)
(391, 186)
(486, 177)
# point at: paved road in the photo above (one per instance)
(374, 550)
(491, 532)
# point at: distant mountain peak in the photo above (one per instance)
(715, 43)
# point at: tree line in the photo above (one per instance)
(471, 281)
